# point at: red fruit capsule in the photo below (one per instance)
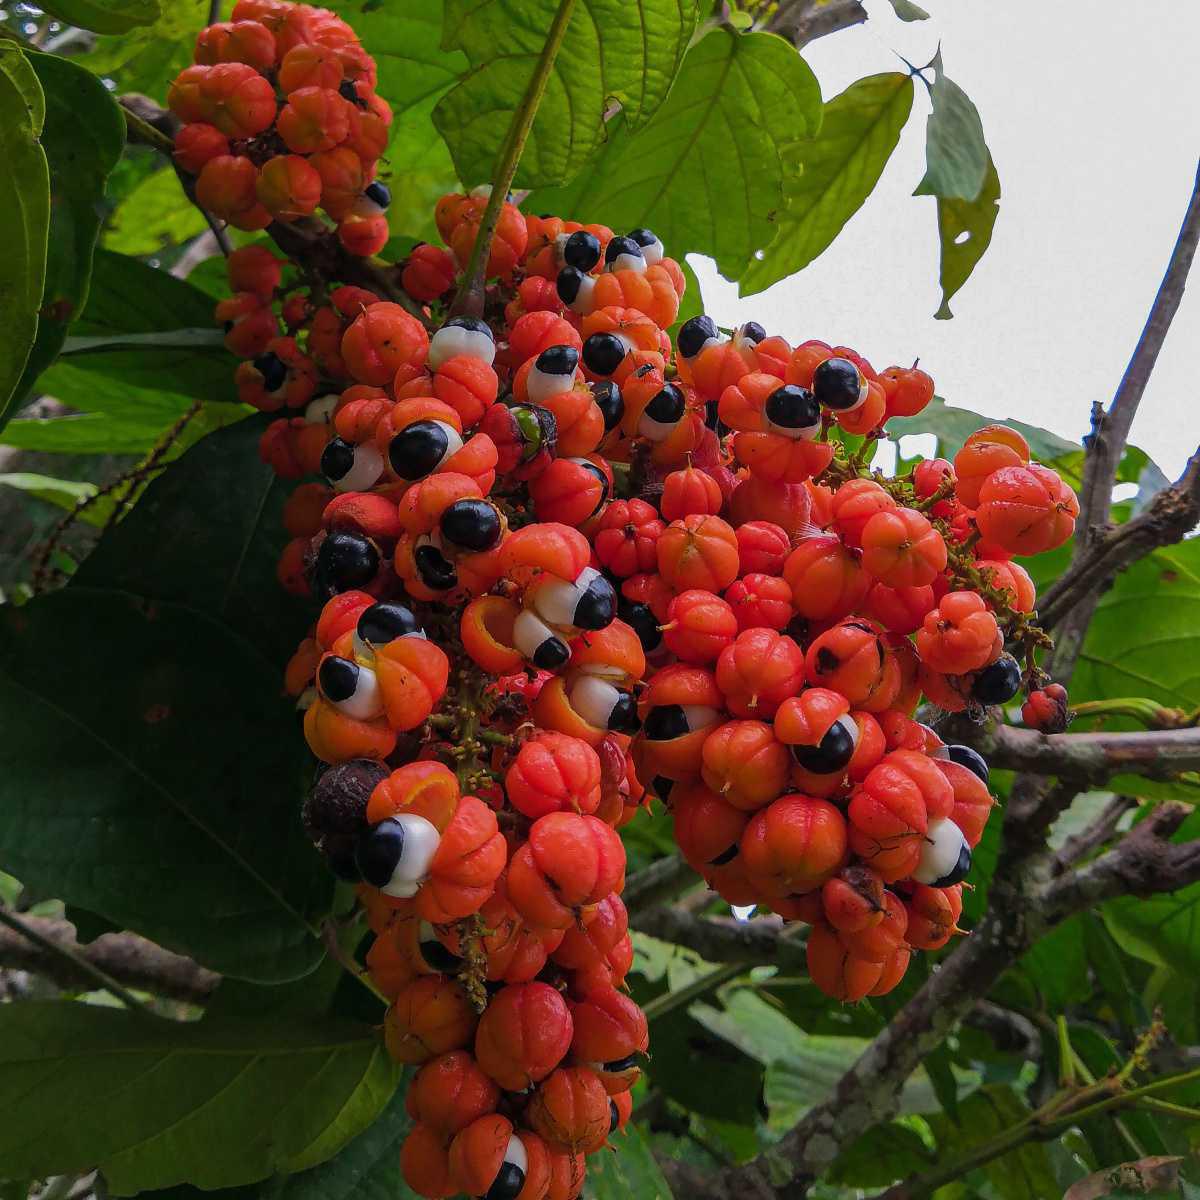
(794, 845)
(571, 1109)
(933, 915)
(524, 1033)
(853, 658)
(878, 941)
(760, 600)
(430, 1016)
(609, 1030)
(700, 551)
(626, 537)
(826, 578)
(450, 1092)
(854, 504)
(837, 972)
(745, 764)
(763, 547)
(853, 900)
(902, 549)
(985, 451)
(699, 626)
(960, 635)
(759, 671)
(554, 773)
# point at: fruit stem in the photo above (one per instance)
(469, 299)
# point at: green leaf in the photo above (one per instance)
(707, 172)
(24, 213)
(1023, 1174)
(833, 174)
(956, 154)
(1163, 930)
(147, 58)
(882, 1156)
(106, 16)
(127, 780)
(631, 1172)
(83, 138)
(153, 217)
(606, 56)
(100, 433)
(211, 1104)
(965, 232)
(953, 425)
(65, 493)
(906, 10)
(1058, 967)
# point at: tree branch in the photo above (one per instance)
(1087, 757)
(1101, 830)
(722, 939)
(1110, 431)
(1170, 516)
(659, 882)
(803, 21)
(126, 958)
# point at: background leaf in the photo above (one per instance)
(24, 213)
(153, 217)
(83, 137)
(833, 174)
(214, 1104)
(706, 173)
(631, 1172)
(106, 16)
(606, 56)
(146, 58)
(965, 232)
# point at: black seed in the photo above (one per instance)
(827, 661)
(608, 399)
(228, 326)
(666, 721)
(597, 607)
(836, 383)
(961, 870)
(270, 366)
(551, 654)
(792, 407)
(568, 283)
(971, 759)
(379, 193)
(661, 786)
(435, 572)
(668, 407)
(348, 91)
(475, 324)
(643, 236)
(379, 851)
(614, 1116)
(339, 854)
(383, 623)
(345, 561)
(558, 360)
(752, 331)
(998, 682)
(694, 333)
(621, 245)
(581, 250)
(725, 856)
(337, 460)
(471, 524)
(832, 754)
(642, 621)
(624, 718)
(438, 957)
(622, 1064)
(603, 353)
(338, 678)
(507, 1185)
(418, 449)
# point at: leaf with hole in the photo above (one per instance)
(707, 172)
(606, 57)
(211, 1103)
(829, 177)
(965, 232)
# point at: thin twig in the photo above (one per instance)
(1102, 830)
(469, 298)
(102, 979)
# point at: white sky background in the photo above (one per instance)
(1092, 112)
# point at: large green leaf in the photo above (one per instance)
(1165, 929)
(154, 216)
(956, 154)
(24, 214)
(707, 172)
(102, 433)
(83, 138)
(833, 174)
(606, 55)
(106, 16)
(882, 1156)
(965, 232)
(147, 58)
(953, 425)
(150, 770)
(206, 1103)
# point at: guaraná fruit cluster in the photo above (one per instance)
(568, 564)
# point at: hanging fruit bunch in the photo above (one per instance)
(567, 564)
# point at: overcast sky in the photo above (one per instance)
(1092, 113)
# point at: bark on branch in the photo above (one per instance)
(803, 21)
(722, 939)
(129, 959)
